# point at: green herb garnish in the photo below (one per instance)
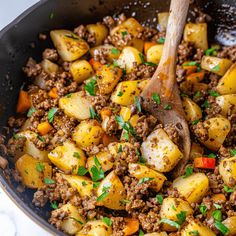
(107, 221)
(84, 183)
(203, 209)
(115, 51)
(161, 40)
(71, 36)
(181, 217)
(142, 58)
(217, 215)
(96, 170)
(40, 167)
(120, 94)
(105, 192)
(211, 51)
(159, 198)
(197, 94)
(137, 103)
(212, 155)
(188, 171)
(170, 222)
(195, 122)
(145, 179)
(69, 95)
(93, 114)
(233, 152)
(206, 104)
(82, 171)
(217, 206)
(96, 184)
(167, 107)
(54, 205)
(148, 63)
(140, 233)
(124, 33)
(90, 87)
(229, 190)
(213, 93)
(156, 98)
(51, 114)
(125, 125)
(216, 68)
(221, 227)
(49, 181)
(194, 233)
(31, 111)
(76, 154)
(42, 139)
(191, 63)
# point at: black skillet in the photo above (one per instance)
(17, 38)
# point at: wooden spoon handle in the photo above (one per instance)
(176, 22)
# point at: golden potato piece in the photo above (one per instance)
(69, 46)
(125, 92)
(81, 70)
(111, 192)
(196, 34)
(227, 103)
(230, 223)
(83, 184)
(49, 66)
(192, 188)
(99, 31)
(87, 133)
(170, 208)
(154, 53)
(68, 157)
(32, 171)
(76, 105)
(137, 43)
(227, 169)
(160, 152)
(140, 171)
(227, 84)
(215, 64)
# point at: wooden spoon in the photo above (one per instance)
(163, 83)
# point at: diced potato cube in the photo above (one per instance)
(49, 66)
(227, 169)
(193, 188)
(160, 152)
(87, 133)
(137, 43)
(99, 31)
(128, 58)
(163, 20)
(107, 78)
(67, 157)
(197, 226)
(171, 207)
(130, 26)
(154, 53)
(215, 64)
(218, 128)
(227, 83)
(192, 110)
(125, 113)
(76, 105)
(114, 192)
(83, 184)
(140, 171)
(69, 46)
(81, 70)
(32, 171)
(196, 34)
(110, 52)
(125, 92)
(227, 103)
(73, 222)
(95, 228)
(104, 158)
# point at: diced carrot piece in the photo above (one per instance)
(44, 128)
(196, 77)
(23, 102)
(147, 45)
(205, 162)
(105, 112)
(190, 69)
(218, 198)
(95, 64)
(131, 226)
(53, 93)
(107, 139)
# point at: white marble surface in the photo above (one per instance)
(13, 222)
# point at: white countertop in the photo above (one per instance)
(13, 221)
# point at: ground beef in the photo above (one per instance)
(112, 126)
(32, 69)
(99, 102)
(215, 181)
(158, 35)
(118, 226)
(214, 109)
(102, 55)
(228, 52)
(200, 131)
(83, 33)
(224, 152)
(172, 133)
(57, 217)
(109, 22)
(180, 73)
(198, 55)
(214, 79)
(150, 221)
(118, 39)
(15, 145)
(16, 122)
(185, 52)
(50, 54)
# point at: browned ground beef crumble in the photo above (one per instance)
(141, 202)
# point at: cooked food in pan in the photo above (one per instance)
(83, 142)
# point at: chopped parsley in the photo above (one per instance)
(211, 51)
(49, 181)
(31, 111)
(17, 136)
(71, 36)
(96, 170)
(156, 98)
(42, 139)
(212, 155)
(40, 167)
(145, 179)
(51, 114)
(170, 222)
(107, 221)
(167, 107)
(161, 40)
(54, 205)
(216, 68)
(203, 209)
(206, 104)
(124, 201)
(77, 220)
(181, 217)
(159, 198)
(137, 103)
(76, 154)
(173, 207)
(115, 51)
(124, 33)
(229, 190)
(195, 122)
(105, 192)
(233, 152)
(213, 93)
(217, 215)
(142, 58)
(81, 171)
(197, 94)
(90, 87)
(194, 233)
(125, 125)
(120, 94)
(69, 95)
(120, 148)
(115, 63)
(188, 171)
(217, 206)
(96, 184)
(140, 233)
(93, 114)
(148, 63)
(221, 227)
(191, 63)
(84, 183)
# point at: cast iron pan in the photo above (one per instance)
(16, 38)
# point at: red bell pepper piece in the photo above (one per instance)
(205, 163)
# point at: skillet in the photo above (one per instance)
(19, 40)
